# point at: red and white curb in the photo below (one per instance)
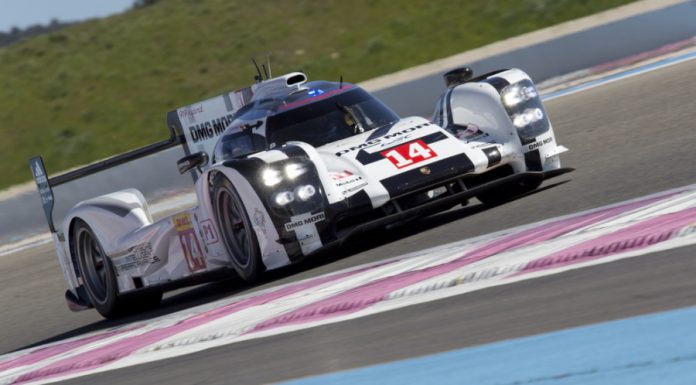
(642, 226)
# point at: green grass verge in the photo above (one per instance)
(103, 87)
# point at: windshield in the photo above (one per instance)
(329, 120)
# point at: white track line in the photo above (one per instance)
(440, 272)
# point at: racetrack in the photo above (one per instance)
(627, 139)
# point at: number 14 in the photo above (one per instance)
(409, 153)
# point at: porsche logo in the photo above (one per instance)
(425, 170)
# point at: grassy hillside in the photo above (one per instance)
(103, 87)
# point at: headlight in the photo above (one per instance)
(283, 198)
(515, 94)
(305, 192)
(271, 177)
(527, 117)
(293, 170)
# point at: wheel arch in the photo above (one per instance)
(273, 254)
(105, 296)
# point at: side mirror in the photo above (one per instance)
(192, 161)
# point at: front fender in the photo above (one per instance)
(273, 254)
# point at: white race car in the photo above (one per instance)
(287, 167)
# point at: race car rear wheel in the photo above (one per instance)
(237, 232)
(99, 279)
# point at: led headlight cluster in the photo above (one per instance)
(305, 192)
(515, 94)
(293, 170)
(527, 117)
(272, 176)
(283, 198)
(293, 184)
(301, 193)
(523, 105)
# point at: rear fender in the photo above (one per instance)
(110, 217)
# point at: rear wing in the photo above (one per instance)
(45, 184)
(195, 127)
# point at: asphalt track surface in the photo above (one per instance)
(627, 139)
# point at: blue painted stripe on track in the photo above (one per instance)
(652, 349)
(621, 75)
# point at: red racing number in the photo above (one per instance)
(193, 253)
(409, 153)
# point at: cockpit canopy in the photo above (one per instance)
(317, 113)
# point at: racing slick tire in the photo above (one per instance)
(99, 279)
(237, 233)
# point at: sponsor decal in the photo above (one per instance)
(337, 176)
(137, 256)
(210, 129)
(538, 144)
(189, 242)
(352, 189)
(208, 232)
(409, 154)
(190, 111)
(382, 139)
(348, 182)
(259, 219)
(307, 221)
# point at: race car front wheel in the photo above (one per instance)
(237, 232)
(99, 279)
